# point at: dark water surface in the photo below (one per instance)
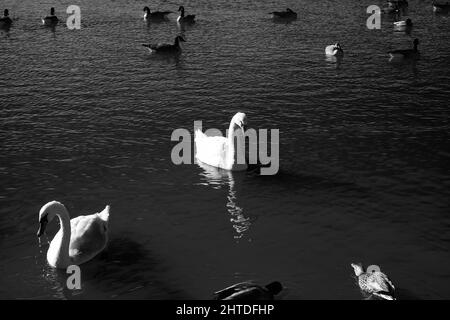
(86, 118)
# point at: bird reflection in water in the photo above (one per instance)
(55, 278)
(217, 178)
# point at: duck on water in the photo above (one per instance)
(165, 47)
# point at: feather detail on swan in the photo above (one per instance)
(223, 152)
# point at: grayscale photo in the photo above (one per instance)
(204, 150)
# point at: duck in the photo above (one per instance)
(405, 23)
(156, 15)
(249, 291)
(441, 7)
(391, 8)
(222, 152)
(78, 240)
(375, 283)
(334, 50)
(288, 14)
(190, 18)
(165, 47)
(406, 53)
(50, 20)
(5, 21)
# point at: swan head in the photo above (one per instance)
(181, 8)
(52, 11)
(289, 10)
(6, 12)
(274, 287)
(47, 214)
(179, 38)
(358, 268)
(416, 42)
(408, 22)
(146, 10)
(240, 119)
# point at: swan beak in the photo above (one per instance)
(42, 226)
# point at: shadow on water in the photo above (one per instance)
(216, 177)
(124, 269)
(293, 180)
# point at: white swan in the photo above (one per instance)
(334, 50)
(78, 240)
(222, 152)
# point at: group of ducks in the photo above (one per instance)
(50, 20)
(80, 239)
(392, 7)
(183, 19)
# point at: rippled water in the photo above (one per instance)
(87, 115)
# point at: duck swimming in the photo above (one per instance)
(405, 23)
(334, 50)
(166, 48)
(5, 21)
(156, 15)
(406, 53)
(288, 14)
(50, 20)
(223, 152)
(78, 240)
(249, 291)
(190, 18)
(376, 283)
(441, 7)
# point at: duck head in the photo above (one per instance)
(52, 11)
(179, 39)
(274, 287)
(47, 214)
(358, 268)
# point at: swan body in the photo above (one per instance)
(376, 283)
(334, 50)
(5, 21)
(406, 53)
(156, 15)
(222, 152)
(50, 20)
(189, 19)
(249, 291)
(288, 14)
(165, 47)
(78, 240)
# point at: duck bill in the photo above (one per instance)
(42, 226)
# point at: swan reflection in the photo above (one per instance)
(218, 178)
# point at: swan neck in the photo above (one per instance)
(64, 220)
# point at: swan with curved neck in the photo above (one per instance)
(78, 240)
(222, 152)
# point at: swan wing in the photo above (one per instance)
(88, 236)
(211, 150)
